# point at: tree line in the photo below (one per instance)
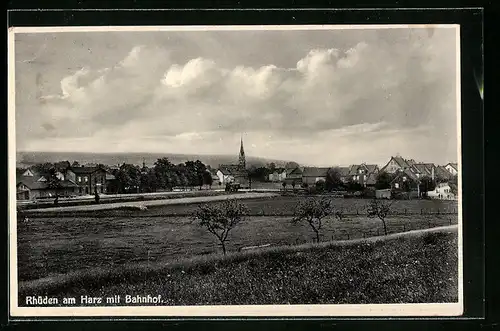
(130, 178)
(164, 175)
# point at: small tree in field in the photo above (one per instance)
(284, 186)
(220, 219)
(313, 211)
(379, 209)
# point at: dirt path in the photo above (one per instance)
(105, 206)
(447, 228)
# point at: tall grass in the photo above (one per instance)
(412, 267)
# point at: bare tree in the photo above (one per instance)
(379, 209)
(220, 219)
(313, 211)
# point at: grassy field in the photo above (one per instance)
(49, 246)
(415, 267)
(259, 205)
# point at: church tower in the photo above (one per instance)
(241, 159)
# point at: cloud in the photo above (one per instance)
(338, 92)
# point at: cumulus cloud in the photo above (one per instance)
(330, 92)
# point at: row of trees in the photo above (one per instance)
(164, 175)
(220, 219)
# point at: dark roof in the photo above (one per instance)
(441, 172)
(294, 171)
(402, 162)
(454, 165)
(315, 172)
(408, 173)
(423, 169)
(411, 162)
(371, 168)
(86, 170)
(33, 184)
(353, 169)
(231, 169)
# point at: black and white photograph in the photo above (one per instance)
(235, 171)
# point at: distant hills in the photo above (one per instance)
(26, 159)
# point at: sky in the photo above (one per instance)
(317, 97)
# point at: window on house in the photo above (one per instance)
(396, 185)
(85, 179)
(79, 179)
(404, 179)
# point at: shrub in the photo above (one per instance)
(379, 209)
(220, 219)
(313, 211)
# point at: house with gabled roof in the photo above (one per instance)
(232, 173)
(32, 185)
(405, 181)
(312, 175)
(90, 179)
(444, 191)
(452, 168)
(294, 175)
(397, 163)
(360, 173)
(443, 175)
(277, 175)
(344, 173)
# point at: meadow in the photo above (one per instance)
(50, 246)
(411, 267)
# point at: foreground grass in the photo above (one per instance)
(415, 267)
(50, 246)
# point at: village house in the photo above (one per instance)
(443, 175)
(91, 179)
(445, 191)
(425, 170)
(278, 175)
(312, 175)
(344, 174)
(363, 174)
(452, 168)
(32, 185)
(215, 178)
(397, 163)
(293, 176)
(406, 181)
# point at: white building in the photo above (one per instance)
(442, 191)
(277, 176)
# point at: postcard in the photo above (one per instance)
(235, 171)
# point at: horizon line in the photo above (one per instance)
(223, 155)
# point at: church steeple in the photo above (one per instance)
(241, 160)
